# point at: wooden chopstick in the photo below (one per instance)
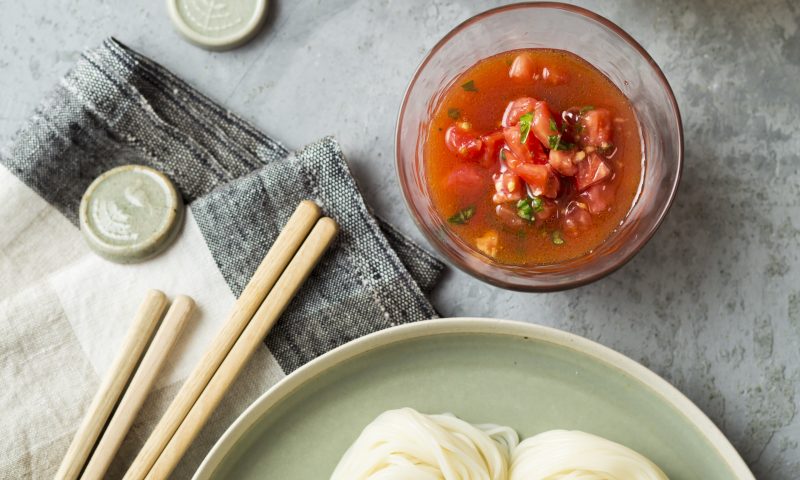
(282, 293)
(265, 276)
(137, 391)
(144, 323)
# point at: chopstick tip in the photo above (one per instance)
(154, 293)
(328, 225)
(184, 300)
(309, 207)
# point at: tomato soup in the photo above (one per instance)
(533, 157)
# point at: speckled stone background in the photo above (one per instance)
(712, 303)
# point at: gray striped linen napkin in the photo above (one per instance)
(64, 310)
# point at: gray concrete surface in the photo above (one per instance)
(712, 303)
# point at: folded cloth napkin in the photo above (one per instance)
(64, 310)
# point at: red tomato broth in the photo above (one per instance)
(452, 175)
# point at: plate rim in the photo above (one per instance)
(474, 325)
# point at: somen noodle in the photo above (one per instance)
(404, 444)
(575, 455)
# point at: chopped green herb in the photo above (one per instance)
(556, 236)
(469, 86)
(524, 209)
(587, 108)
(454, 113)
(463, 216)
(553, 126)
(509, 62)
(528, 206)
(525, 126)
(503, 155)
(537, 204)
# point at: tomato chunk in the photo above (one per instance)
(462, 142)
(600, 197)
(508, 187)
(596, 128)
(491, 144)
(543, 122)
(530, 151)
(576, 219)
(536, 149)
(563, 162)
(468, 180)
(516, 109)
(592, 170)
(540, 179)
(522, 68)
(513, 139)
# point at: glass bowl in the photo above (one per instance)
(608, 48)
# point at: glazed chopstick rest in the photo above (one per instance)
(130, 214)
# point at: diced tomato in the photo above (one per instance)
(576, 219)
(599, 197)
(507, 213)
(516, 109)
(596, 128)
(468, 180)
(522, 68)
(591, 170)
(543, 121)
(553, 76)
(540, 179)
(537, 150)
(491, 144)
(563, 162)
(529, 152)
(549, 208)
(508, 187)
(462, 142)
(512, 136)
(512, 161)
(487, 243)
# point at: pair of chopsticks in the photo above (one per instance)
(136, 341)
(295, 253)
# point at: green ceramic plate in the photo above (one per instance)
(529, 377)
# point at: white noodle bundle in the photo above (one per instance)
(574, 455)
(407, 445)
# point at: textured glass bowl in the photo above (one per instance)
(608, 48)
